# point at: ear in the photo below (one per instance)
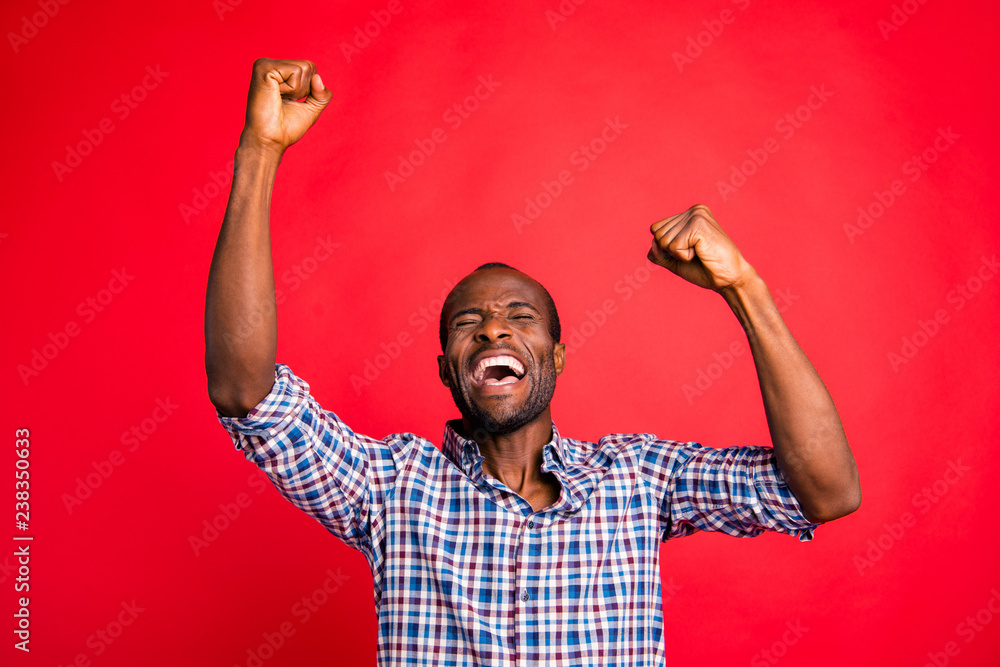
(442, 371)
(559, 357)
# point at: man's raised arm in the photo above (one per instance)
(240, 356)
(808, 437)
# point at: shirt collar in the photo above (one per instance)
(465, 454)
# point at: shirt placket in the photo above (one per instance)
(525, 565)
(529, 560)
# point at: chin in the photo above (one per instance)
(503, 417)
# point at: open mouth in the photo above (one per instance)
(497, 371)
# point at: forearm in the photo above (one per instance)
(806, 431)
(241, 328)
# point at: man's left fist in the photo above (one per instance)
(693, 245)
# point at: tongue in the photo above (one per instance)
(499, 375)
(509, 379)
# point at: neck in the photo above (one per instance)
(514, 458)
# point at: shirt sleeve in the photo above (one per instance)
(315, 460)
(739, 491)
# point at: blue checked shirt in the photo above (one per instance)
(466, 573)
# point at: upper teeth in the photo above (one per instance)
(510, 362)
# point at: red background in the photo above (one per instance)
(852, 299)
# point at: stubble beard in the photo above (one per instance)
(505, 418)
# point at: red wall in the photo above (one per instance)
(106, 256)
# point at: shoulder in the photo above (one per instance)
(644, 454)
(611, 449)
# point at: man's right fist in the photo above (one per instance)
(275, 119)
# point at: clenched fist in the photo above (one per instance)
(275, 117)
(693, 246)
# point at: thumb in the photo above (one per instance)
(319, 95)
(657, 256)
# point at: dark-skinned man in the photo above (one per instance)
(512, 544)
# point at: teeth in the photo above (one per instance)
(508, 361)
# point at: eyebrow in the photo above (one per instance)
(523, 304)
(511, 305)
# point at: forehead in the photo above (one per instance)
(494, 287)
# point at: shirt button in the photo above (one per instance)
(531, 524)
(525, 597)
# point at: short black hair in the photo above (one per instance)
(555, 330)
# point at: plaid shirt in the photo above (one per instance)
(466, 573)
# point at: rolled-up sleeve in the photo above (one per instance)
(739, 491)
(315, 460)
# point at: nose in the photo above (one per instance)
(493, 327)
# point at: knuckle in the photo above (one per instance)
(704, 213)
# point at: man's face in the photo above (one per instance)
(499, 361)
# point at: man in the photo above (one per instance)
(513, 544)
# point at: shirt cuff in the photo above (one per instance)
(272, 415)
(778, 507)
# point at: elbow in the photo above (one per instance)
(833, 511)
(230, 402)
(236, 389)
(230, 408)
(835, 506)
(227, 404)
